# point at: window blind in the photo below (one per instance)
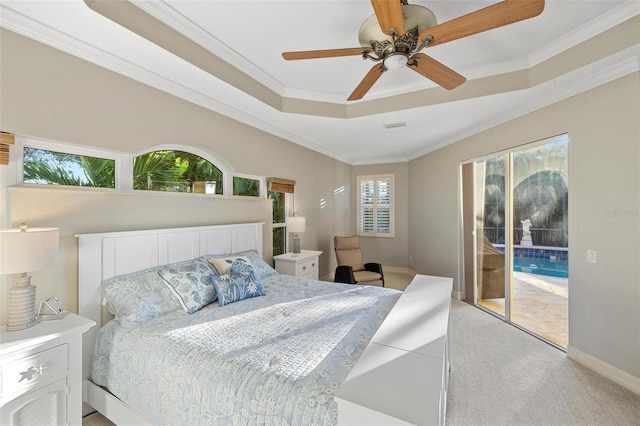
(6, 139)
(281, 185)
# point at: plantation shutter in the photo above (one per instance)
(375, 206)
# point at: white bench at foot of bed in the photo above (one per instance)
(402, 376)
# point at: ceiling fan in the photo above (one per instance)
(398, 31)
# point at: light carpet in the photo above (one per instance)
(501, 375)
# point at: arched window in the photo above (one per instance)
(176, 171)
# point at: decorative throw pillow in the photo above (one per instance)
(191, 283)
(222, 265)
(138, 297)
(261, 267)
(240, 283)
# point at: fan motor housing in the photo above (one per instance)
(416, 18)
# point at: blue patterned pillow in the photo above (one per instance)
(191, 284)
(138, 297)
(240, 283)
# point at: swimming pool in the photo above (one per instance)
(541, 266)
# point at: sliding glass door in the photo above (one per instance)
(516, 237)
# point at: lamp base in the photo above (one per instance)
(296, 244)
(22, 326)
(22, 304)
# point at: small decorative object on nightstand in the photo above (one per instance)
(41, 373)
(305, 264)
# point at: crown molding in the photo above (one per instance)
(243, 108)
(174, 19)
(548, 93)
(163, 12)
(26, 26)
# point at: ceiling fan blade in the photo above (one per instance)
(367, 82)
(389, 14)
(329, 53)
(497, 15)
(435, 71)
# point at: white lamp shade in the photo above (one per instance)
(26, 251)
(295, 224)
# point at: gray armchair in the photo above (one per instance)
(351, 268)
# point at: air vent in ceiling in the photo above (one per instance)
(394, 125)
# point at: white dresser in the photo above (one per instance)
(41, 373)
(304, 264)
(402, 376)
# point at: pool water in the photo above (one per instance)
(541, 266)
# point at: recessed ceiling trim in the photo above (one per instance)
(587, 31)
(165, 13)
(559, 88)
(578, 81)
(122, 12)
(23, 25)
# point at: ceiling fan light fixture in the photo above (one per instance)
(395, 61)
(414, 17)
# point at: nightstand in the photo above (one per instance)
(304, 264)
(41, 373)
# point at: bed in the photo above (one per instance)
(287, 351)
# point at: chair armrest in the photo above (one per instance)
(374, 267)
(344, 274)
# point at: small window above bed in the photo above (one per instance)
(163, 168)
(49, 167)
(176, 171)
(246, 186)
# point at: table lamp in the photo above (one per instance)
(23, 250)
(295, 225)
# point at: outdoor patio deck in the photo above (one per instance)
(540, 304)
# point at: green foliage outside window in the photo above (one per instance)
(278, 206)
(58, 168)
(246, 187)
(176, 171)
(279, 232)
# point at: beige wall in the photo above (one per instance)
(51, 95)
(604, 176)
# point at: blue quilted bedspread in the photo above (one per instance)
(273, 360)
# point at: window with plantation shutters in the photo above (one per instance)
(376, 206)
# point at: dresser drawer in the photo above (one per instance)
(307, 268)
(26, 371)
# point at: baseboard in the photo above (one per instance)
(607, 370)
(397, 269)
(457, 294)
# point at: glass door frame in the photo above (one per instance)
(466, 220)
(508, 227)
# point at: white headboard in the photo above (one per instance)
(102, 256)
